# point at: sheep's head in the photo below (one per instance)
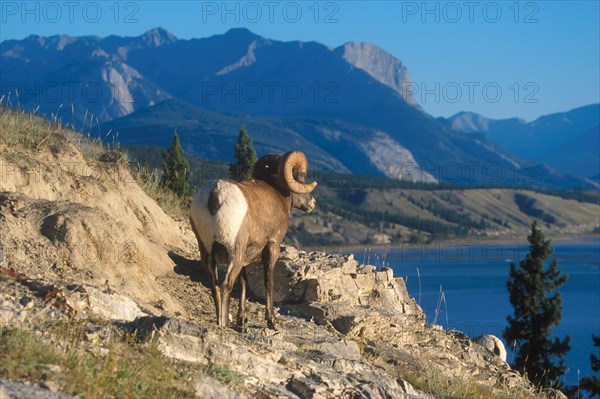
(287, 173)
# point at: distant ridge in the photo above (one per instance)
(568, 141)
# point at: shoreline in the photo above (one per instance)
(465, 241)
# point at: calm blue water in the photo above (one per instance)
(473, 281)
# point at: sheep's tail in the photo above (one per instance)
(214, 202)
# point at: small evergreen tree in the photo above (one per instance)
(537, 309)
(592, 383)
(245, 157)
(176, 169)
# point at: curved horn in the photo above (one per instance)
(293, 164)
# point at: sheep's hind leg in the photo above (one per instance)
(209, 266)
(241, 317)
(233, 271)
(270, 257)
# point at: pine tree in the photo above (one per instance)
(537, 309)
(592, 383)
(245, 157)
(176, 169)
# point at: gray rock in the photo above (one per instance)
(108, 305)
(289, 253)
(17, 390)
(209, 388)
(11, 314)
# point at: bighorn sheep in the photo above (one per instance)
(238, 222)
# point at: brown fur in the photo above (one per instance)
(259, 237)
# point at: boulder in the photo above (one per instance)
(493, 344)
(104, 303)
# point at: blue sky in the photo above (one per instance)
(497, 58)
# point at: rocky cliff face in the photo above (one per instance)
(382, 66)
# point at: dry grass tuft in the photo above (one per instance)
(442, 388)
(149, 180)
(25, 133)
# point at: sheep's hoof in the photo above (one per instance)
(272, 324)
(242, 321)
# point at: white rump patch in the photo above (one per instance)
(223, 227)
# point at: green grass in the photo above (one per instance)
(124, 369)
(224, 374)
(25, 356)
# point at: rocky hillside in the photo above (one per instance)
(101, 289)
(366, 216)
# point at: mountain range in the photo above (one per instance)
(347, 107)
(568, 141)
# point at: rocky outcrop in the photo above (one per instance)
(324, 278)
(395, 160)
(372, 307)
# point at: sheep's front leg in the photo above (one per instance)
(241, 317)
(270, 257)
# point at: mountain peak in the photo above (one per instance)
(158, 36)
(238, 36)
(381, 65)
(241, 32)
(470, 122)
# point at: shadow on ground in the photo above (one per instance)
(190, 268)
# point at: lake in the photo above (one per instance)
(463, 287)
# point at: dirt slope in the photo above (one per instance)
(65, 216)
